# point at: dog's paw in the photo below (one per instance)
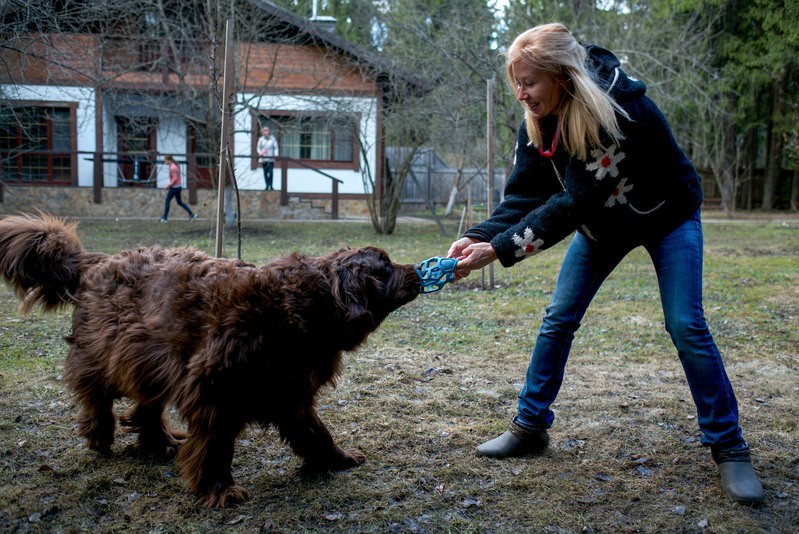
(340, 460)
(351, 458)
(159, 446)
(101, 446)
(226, 497)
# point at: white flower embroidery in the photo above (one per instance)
(528, 244)
(618, 194)
(605, 162)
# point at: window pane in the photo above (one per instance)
(62, 169)
(61, 130)
(34, 128)
(305, 144)
(8, 129)
(342, 149)
(290, 145)
(34, 168)
(320, 142)
(135, 134)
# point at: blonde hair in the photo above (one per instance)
(585, 112)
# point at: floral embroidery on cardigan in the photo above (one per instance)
(618, 196)
(605, 162)
(528, 245)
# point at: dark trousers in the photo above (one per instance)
(174, 192)
(269, 170)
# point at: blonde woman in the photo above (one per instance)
(595, 155)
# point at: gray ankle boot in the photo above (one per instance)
(738, 477)
(515, 442)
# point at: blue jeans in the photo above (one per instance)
(269, 170)
(677, 258)
(174, 192)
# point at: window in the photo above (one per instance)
(136, 145)
(205, 159)
(319, 138)
(36, 145)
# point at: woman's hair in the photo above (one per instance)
(169, 158)
(586, 112)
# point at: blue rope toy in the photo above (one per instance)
(434, 273)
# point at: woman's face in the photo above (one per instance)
(539, 91)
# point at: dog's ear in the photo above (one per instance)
(350, 291)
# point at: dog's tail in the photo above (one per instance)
(39, 260)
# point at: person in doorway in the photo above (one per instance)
(174, 188)
(267, 152)
(595, 155)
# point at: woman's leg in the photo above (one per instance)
(678, 263)
(269, 169)
(180, 202)
(169, 194)
(585, 267)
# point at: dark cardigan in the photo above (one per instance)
(642, 188)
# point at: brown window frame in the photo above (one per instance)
(17, 156)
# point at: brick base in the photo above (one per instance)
(140, 203)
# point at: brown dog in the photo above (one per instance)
(226, 342)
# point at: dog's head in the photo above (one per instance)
(368, 286)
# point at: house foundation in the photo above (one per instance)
(148, 203)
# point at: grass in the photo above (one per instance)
(439, 377)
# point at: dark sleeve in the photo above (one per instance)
(527, 189)
(546, 200)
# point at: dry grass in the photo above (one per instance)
(437, 379)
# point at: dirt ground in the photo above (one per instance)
(437, 379)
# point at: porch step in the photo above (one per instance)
(300, 208)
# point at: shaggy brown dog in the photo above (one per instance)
(226, 342)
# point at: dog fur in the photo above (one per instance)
(225, 342)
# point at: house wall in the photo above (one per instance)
(273, 67)
(51, 59)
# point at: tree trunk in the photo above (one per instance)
(453, 194)
(774, 147)
(723, 161)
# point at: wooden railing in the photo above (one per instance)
(284, 195)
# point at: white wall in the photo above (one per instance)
(84, 97)
(303, 180)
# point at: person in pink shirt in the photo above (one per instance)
(174, 187)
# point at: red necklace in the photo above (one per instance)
(548, 153)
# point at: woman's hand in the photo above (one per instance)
(472, 254)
